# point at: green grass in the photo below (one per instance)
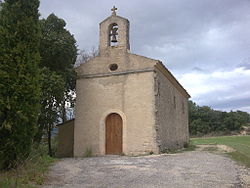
(241, 145)
(30, 174)
(88, 153)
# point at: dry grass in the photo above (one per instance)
(240, 145)
(30, 173)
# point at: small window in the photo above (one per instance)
(113, 67)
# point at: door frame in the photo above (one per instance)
(102, 131)
(120, 139)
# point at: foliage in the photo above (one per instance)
(58, 50)
(240, 144)
(88, 152)
(58, 53)
(30, 173)
(19, 85)
(204, 120)
(52, 86)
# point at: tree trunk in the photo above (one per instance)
(49, 141)
(64, 118)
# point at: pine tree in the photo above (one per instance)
(19, 75)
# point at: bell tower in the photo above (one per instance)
(114, 33)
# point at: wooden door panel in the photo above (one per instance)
(114, 134)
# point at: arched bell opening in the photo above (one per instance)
(113, 35)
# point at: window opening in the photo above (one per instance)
(113, 67)
(113, 35)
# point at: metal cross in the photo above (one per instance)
(113, 10)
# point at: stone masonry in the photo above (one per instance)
(150, 101)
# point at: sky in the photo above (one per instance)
(205, 44)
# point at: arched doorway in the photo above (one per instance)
(113, 126)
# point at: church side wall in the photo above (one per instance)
(141, 136)
(171, 114)
(131, 96)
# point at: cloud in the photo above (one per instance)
(204, 43)
(226, 90)
(245, 64)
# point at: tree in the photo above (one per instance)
(198, 127)
(52, 85)
(84, 56)
(58, 53)
(203, 120)
(243, 117)
(19, 83)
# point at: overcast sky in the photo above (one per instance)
(204, 43)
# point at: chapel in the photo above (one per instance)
(126, 104)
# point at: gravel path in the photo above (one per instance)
(189, 169)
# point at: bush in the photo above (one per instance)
(29, 173)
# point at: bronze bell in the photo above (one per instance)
(113, 34)
(113, 38)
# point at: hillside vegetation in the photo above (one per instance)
(204, 120)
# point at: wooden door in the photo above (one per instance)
(114, 134)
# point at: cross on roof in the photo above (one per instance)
(113, 10)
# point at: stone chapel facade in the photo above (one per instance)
(126, 103)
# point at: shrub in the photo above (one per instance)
(88, 152)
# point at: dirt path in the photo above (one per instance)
(189, 169)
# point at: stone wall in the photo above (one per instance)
(129, 91)
(66, 139)
(171, 114)
(153, 106)
(123, 33)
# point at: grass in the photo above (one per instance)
(30, 174)
(241, 145)
(88, 153)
